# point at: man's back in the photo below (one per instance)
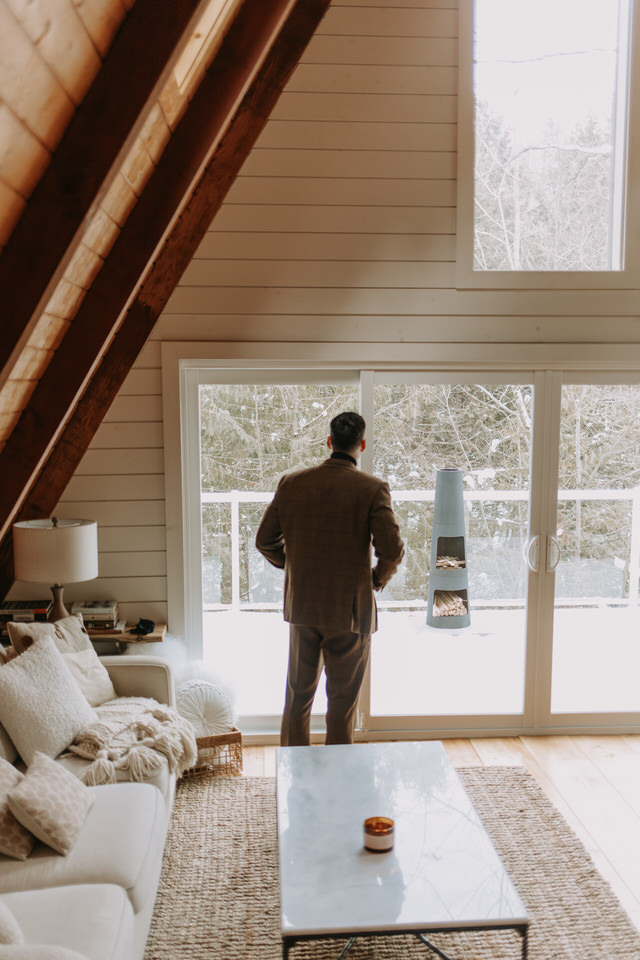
(320, 527)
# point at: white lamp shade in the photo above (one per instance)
(64, 551)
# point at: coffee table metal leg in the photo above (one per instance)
(523, 931)
(443, 956)
(347, 948)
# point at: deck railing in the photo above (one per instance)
(235, 498)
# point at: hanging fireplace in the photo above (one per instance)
(448, 597)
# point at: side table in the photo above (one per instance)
(116, 641)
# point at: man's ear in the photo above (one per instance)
(329, 442)
(363, 444)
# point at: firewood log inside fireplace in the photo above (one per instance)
(450, 563)
(448, 604)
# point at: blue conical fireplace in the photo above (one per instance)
(448, 598)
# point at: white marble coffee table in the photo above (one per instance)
(442, 874)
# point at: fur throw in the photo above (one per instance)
(135, 734)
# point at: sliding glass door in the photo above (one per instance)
(422, 670)
(550, 472)
(250, 433)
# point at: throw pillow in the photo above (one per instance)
(74, 643)
(10, 931)
(51, 802)
(41, 705)
(15, 840)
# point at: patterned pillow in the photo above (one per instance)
(51, 803)
(41, 705)
(15, 841)
(10, 931)
(73, 642)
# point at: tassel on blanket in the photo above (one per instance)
(141, 762)
(138, 735)
(102, 770)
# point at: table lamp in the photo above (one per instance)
(55, 551)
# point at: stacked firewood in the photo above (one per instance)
(449, 563)
(448, 604)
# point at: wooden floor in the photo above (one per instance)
(593, 781)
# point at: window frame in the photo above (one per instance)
(466, 277)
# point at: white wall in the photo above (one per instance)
(340, 229)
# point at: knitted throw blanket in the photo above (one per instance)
(138, 735)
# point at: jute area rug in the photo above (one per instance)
(219, 891)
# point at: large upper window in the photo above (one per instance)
(549, 154)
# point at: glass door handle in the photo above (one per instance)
(532, 553)
(553, 554)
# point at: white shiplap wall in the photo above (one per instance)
(340, 229)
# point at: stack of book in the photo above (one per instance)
(23, 611)
(98, 614)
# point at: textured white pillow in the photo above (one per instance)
(41, 705)
(74, 643)
(38, 951)
(206, 706)
(15, 840)
(51, 803)
(10, 931)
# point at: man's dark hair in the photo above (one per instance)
(347, 431)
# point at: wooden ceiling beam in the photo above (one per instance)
(231, 108)
(84, 164)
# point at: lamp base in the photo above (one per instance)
(58, 610)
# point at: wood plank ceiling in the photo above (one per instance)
(122, 126)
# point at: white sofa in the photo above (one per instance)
(98, 899)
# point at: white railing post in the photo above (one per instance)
(235, 550)
(634, 547)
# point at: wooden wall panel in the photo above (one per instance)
(325, 247)
(389, 21)
(306, 219)
(334, 191)
(312, 135)
(350, 165)
(366, 107)
(319, 275)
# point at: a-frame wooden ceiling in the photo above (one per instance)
(122, 126)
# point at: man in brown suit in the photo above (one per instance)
(319, 528)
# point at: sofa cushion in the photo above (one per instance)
(74, 643)
(102, 927)
(160, 778)
(121, 842)
(51, 803)
(41, 705)
(10, 931)
(15, 839)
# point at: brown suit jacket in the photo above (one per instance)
(319, 528)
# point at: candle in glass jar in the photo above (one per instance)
(378, 834)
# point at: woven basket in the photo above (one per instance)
(218, 756)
